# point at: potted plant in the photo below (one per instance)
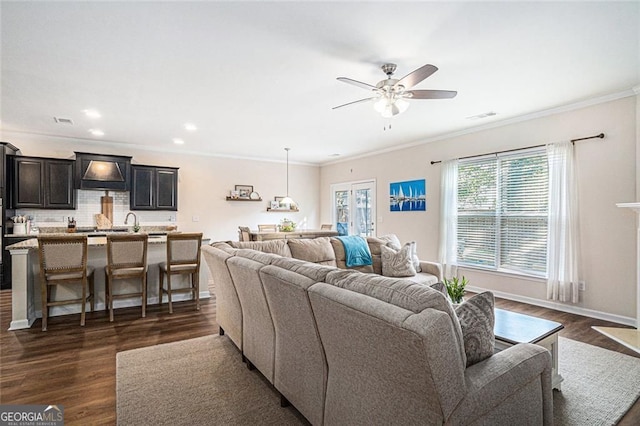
(455, 288)
(287, 225)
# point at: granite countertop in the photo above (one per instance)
(32, 243)
(61, 230)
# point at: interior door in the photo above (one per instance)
(354, 208)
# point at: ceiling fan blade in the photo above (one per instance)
(431, 94)
(357, 83)
(354, 102)
(415, 77)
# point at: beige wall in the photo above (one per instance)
(204, 182)
(607, 175)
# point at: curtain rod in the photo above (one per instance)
(601, 136)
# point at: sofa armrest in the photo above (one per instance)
(516, 381)
(432, 268)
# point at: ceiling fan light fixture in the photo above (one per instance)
(390, 106)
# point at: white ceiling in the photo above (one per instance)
(256, 77)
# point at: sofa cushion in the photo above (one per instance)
(338, 249)
(224, 246)
(317, 250)
(258, 256)
(477, 319)
(279, 247)
(375, 247)
(310, 270)
(397, 263)
(400, 292)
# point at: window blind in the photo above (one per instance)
(502, 212)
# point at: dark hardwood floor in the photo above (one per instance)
(75, 366)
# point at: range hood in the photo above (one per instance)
(102, 172)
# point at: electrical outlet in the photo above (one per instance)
(195, 218)
(581, 286)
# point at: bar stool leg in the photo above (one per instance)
(109, 297)
(161, 286)
(84, 300)
(92, 292)
(144, 295)
(196, 278)
(44, 294)
(169, 292)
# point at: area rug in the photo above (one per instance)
(203, 381)
(599, 385)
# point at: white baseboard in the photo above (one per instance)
(619, 319)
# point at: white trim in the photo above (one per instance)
(518, 119)
(619, 319)
(21, 324)
(127, 146)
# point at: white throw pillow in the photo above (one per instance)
(392, 241)
(414, 256)
(397, 264)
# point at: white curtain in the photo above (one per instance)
(449, 217)
(563, 240)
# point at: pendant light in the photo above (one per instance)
(288, 200)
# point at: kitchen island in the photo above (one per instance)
(25, 276)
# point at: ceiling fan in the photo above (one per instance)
(390, 95)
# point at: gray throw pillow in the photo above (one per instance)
(477, 318)
(397, 264)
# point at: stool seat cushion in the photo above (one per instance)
(181, 268)
(126, 271)
(68, 275)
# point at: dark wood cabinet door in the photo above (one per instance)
(166, 189)
(142, 188)
(58, 191)
(28, 179)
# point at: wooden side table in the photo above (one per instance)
(512, 328)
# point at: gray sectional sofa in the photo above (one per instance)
(347, 347)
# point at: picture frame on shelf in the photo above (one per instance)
(234, 195)
(244, 191)
(274, 205)
(281, 206)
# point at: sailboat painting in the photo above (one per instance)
(408, 196)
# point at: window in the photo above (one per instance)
(502, 212)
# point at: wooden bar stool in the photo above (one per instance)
(183, 257)
(63, 261)
(126, 258)
(268, 228)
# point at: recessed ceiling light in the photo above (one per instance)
(178, 141)
(190, 127)
(92, 113)
(96, 132)
(334, 155)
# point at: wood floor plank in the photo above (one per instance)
(75, 366)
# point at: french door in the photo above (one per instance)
(354, 208)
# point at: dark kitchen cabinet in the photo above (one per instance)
(153, 188)
(42, 183)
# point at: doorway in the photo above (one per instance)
(354, 208)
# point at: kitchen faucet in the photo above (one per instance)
(136, 225)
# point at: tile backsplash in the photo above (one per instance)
(88, 204)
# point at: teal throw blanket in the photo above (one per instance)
(356, 250)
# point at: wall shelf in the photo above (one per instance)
(269, 209)
(243, 199)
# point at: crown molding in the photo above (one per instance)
(501, 123)
(110, 144)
